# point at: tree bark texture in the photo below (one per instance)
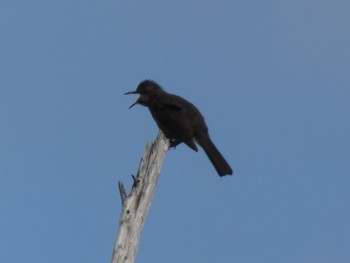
(137, 203)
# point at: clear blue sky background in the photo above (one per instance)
(272, 79)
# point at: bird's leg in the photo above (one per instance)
(174, 142)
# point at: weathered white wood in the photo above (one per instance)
(137, 203)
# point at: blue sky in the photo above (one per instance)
(272, 79)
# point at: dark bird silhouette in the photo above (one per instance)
(180, 122)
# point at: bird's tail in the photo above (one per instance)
(215, 157)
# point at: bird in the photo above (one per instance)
(180, 121)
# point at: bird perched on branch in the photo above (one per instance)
(180, 122)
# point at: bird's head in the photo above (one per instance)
(148, 90)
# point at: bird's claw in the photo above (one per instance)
(173, 143)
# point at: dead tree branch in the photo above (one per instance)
(137, 203)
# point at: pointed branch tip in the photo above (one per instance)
(122, 191)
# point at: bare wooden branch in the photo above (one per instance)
(137, 203)
(122, 192)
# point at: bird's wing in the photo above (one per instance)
(172, 107)
(173, 102)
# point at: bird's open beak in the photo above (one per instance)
(131, 92)
(132, 105)
(137, 101)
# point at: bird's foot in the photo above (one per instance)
(173, 143)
